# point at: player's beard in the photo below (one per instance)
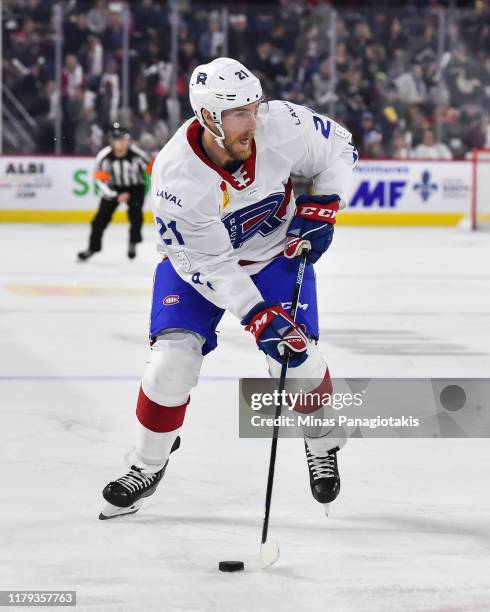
(238, 149)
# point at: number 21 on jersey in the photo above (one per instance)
(169, 232)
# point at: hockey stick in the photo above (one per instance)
(269, 550)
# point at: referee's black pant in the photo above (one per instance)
(106, 210)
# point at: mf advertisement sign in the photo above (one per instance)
(438, 190)
(388, 192)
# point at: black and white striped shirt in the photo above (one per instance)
(113, 175)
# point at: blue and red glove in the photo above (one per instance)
(312, 226)
(274, 331)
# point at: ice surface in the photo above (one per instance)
(410, 530)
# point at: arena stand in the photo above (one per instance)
(409, 81)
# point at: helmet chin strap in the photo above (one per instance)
(218, 138)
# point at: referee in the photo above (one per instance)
(120, 173)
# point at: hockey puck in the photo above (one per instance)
(231, 566)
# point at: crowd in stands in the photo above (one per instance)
(388, 74)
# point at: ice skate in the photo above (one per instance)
(87, 254)
(324, 476)
(126, 494)
(132, 250)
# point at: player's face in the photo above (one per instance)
(239, 127)
(120, 146)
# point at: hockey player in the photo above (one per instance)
(230, 231)
(120, 175)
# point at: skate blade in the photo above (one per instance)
(109, 511)
(269, 553)
(326, 508)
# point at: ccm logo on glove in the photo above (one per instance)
(312, 226)
(326, 213)
(274, 331)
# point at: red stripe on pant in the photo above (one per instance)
(308, 404)
(158, 418)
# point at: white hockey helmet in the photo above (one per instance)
(221, 85)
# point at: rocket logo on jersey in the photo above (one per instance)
(262, 217)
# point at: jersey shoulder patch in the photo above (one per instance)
(341, 131)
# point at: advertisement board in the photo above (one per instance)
(50, 189)
(384, 192)
(410, 191)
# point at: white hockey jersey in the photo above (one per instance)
(219, 228)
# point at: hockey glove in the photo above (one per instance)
(312, 226)
(274, 331)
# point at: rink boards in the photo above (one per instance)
(50, 189)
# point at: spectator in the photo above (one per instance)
(341, 32)
(312, 43)
(211, 42)
(486, 130)
(281, 41)
(28, 34)
(148, 17)
(39, 11)
(53, 96)
(485, 80)
(451, 127)
(360, 38)
(188, 59)
(389, 110)
(425, 48)
(45, 134)
(285, 81)
(352, 94)
(154, 132)
(399, 148)
(472, 118)
(323, 87)
(72, 76)
(109, 93)
(75, 33)
(430, 149)
(463, 78)
(295, 94)
(72, 113)
(386, 66)
(417, 122)
(374, 61)
(396, 41)
(88, 134)
(94, 60)
(98, 17)
(341, 59)
(263, 65)
(411, 86)
(239, 44)
(112, 37)
(370, 137)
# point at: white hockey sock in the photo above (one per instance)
(320, 446)
(152, 448)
